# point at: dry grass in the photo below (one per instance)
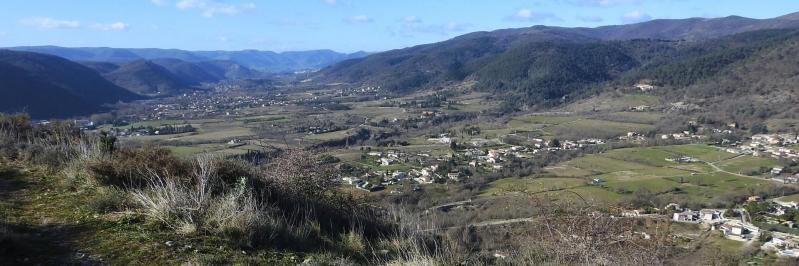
(204, 204)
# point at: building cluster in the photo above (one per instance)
(773, 145)
(204, 105)
(740, 229)
(427, 171)
(735, 228)
(782, 244)
(685, 135)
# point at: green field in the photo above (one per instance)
(701, 152)
(608, 102)
(156, 123)
(790, 198)
(595, 128)
(625, 171)
(335, 135)
(636, 117)
(747, 164)
(532, 185)
(568, 126)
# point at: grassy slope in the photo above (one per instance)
(48, 224)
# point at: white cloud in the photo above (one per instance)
(187, 4)
(453, 27)
(447, 29)
(227, 9)
(411, 20)
(359, 19)
(603, 3)
(111, 26)
(211, 9)
(635, 17)
(590, 18)
(528, 15)
(50, 23)
(223, 39)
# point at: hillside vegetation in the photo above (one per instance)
(78, 198)
(49, 86)
(699, 61)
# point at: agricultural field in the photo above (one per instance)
(156, 123)
(748, 164)
(623, 171)
(572, 126)
(633, 117)
(790, 198)
(614, 102)
(533, 185)
(329, 135)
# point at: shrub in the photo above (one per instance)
(300, 175)
(353, 241)
(109, 199)
(135, 167)
(206, 204)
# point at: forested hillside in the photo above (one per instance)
(544, 66)
(49, 86)
(147, 78)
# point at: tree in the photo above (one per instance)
(692, 128)
(453, 145)
(554, 143)
(759, 128)
(107, 143)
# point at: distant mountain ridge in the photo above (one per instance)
(168, 76)
(265, 61)
(539, 63)
(48, 86)
(145, 77)
(692, 29)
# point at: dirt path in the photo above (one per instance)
(486, 224)
(28, 234)
(718, 169)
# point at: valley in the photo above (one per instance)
(663, 142)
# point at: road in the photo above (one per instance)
(486, 223)
(718, 169)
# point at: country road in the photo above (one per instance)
(486, 223)
(718, 169)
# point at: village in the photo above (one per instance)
(740, 224)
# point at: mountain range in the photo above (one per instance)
(719, 63)
(264, 61)
(48, 86)
(541, 65)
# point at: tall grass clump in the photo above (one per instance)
(203, 203)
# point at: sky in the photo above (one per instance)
(341, 25)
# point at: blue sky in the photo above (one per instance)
(342, 25)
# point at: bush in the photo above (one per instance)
(135, 167)
(109, 199)
(301, 176)
(205, 204)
